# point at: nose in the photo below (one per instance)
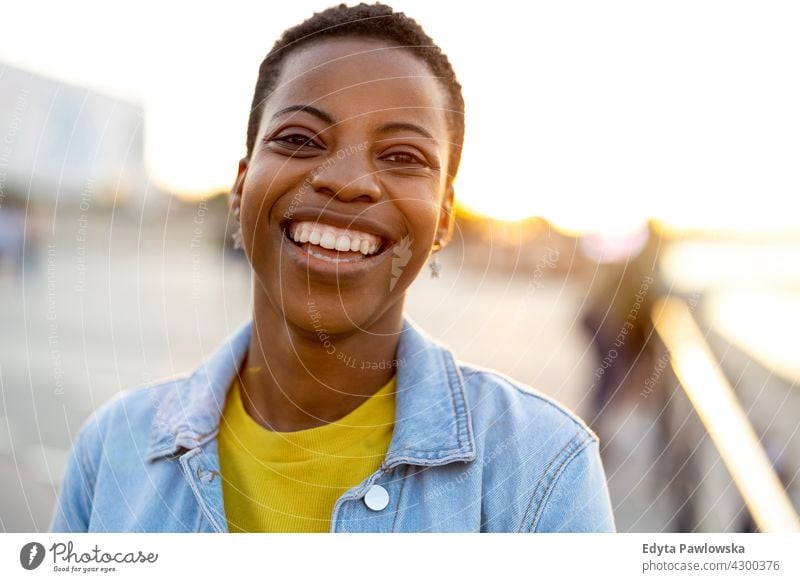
(348, 175)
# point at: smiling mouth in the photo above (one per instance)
(334, 244)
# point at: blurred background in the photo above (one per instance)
(628, 235)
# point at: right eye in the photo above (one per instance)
(296, 141)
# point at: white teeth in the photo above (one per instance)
(328, 241)
(331, 237)
(343, 243)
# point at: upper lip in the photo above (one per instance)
(350, 222)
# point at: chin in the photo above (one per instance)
(330, 313)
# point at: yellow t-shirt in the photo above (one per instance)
(289, 481)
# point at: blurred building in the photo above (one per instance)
(62, 143)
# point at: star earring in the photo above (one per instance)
(434, 264)
(236, 237)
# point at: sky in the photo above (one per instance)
(595, 115)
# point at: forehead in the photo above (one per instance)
(361, 78)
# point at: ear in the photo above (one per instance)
(444, 231)
(235, 198)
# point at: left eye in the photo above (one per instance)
(404, 158)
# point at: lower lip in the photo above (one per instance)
(331, 269)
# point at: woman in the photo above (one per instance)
(330, 411)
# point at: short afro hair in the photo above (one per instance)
(372, 21)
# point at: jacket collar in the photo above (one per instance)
(433, 425)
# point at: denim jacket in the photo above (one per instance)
(471, 451)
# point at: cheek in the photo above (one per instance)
(422, 216)
(265, 185)
(411, 254)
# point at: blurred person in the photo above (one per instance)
(331, 410)
(631, 397)
(618, 317)
(12, 236)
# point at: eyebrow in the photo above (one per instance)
(399, 126)
(307, 109)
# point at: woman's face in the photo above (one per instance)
(346, 188)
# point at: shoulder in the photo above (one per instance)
(496, 399)
(125, 419)
(112, 438)
(543, 457)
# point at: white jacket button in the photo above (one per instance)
(377, 498)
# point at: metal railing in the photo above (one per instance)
(719, 410)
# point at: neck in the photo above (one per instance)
(294, 380)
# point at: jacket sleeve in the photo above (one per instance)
(74, 503)
(578, 499)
